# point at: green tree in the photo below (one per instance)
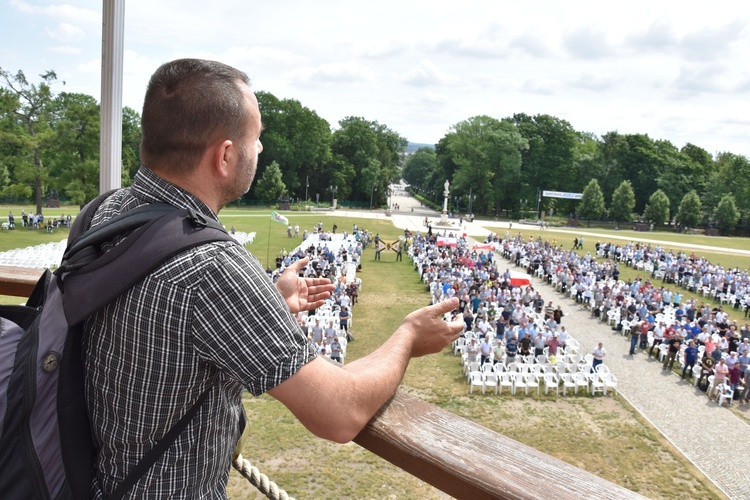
(657, 209)
(592, 204)
(487, 154)
(73, 162)
(29, 106)
(357, 143)
(550, 156)
(270, 185)
(726, 214)
(689, 213)
(623, 202)
(131, 144)
(732, 175)
(299, 141)
(420, 167)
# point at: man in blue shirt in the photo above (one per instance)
(691, 356)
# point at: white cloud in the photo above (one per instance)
(261, 56)
(65, 49)
(532, 44)
(595, 82)
(709, 43)
(331, 73)
(544, 86)
(382, 49)
(587, 43)
(427, 74)
(93, 67)
(64, 11)
(65, 32)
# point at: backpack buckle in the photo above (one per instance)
(198, 219)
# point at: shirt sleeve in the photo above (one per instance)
(243, 326)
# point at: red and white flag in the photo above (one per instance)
(443, 241)
(519, 279)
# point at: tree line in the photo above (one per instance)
(49, 144)
(503, 165)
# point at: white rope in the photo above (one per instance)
(259, 480)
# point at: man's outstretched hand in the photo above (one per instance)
(303, 294)
(429, 332)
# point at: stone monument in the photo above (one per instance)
(446, 193)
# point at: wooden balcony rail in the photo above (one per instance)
(455, 455)
(466, 460)
(18, 281)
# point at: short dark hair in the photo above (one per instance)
(189, 104)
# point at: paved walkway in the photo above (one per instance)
(701, 430)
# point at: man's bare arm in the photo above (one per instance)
(335, 403)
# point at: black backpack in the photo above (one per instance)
(46, 447)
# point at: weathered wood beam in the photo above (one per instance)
(469, 461)
(18, 281)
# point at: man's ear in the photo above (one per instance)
(223, 158)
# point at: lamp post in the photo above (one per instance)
(333, 194)
(307, 185)
(456, 208)
(471, 203)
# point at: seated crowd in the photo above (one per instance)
(511, 338)
(697, 335)
(336, 257)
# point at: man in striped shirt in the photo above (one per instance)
(209, 318)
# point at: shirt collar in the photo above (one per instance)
(150, 188)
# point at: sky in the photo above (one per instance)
(675, 70)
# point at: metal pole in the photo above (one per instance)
(110, 142)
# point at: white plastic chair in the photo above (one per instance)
(532, 380)
(476, 380)
(519, 382)
(491, 381)
(568, 383)
(551, 380)
(581, 380)
(506, 380)
(597, 383)
(725, 394)
(610, 382)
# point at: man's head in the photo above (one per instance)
(194, 105)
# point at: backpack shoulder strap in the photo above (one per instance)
(83, 220)
(94, 285)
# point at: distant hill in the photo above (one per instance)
(413, 146)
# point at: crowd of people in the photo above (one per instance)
(337, 257)
(37, 221)
(505, 323)
(697, 335)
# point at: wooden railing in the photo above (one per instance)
(18, 281)
(455, 455)
(469, 461)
